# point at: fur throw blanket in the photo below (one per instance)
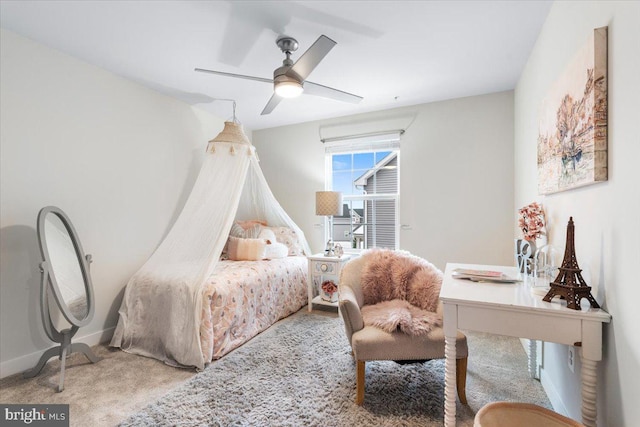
(398, 314)
(401, 292)
(388, 275)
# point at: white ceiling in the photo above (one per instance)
(393, 53)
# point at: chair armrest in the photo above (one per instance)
(350, 311)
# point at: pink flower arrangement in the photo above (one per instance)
(532, 221)
(329, 287)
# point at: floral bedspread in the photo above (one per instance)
(243, 298)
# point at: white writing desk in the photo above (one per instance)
(511, 309)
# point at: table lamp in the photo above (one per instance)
(329, 203)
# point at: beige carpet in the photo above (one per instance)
(101, 394)
(106, 393)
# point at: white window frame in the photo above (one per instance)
(370, 143)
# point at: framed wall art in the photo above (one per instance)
(572, 137)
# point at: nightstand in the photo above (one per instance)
(323, 268)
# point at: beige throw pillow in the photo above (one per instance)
(246, 249)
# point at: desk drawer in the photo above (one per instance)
(522, 324)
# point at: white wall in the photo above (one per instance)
(118, 158)
(456, 176)
(606, 215)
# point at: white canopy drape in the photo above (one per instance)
(160, 312)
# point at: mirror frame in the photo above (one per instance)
(82, 260)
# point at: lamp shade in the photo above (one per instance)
(329, 203)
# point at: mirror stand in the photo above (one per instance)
(62, 337)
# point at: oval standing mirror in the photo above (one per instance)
(65, 274)
(70, 282)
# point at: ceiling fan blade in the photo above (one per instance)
(331, 93)
(239, 76)
(312, 57)
(273, 102)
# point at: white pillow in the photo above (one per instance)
(276, 250)
(268, 235)
(288, 237)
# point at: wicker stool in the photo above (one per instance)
(509, 414)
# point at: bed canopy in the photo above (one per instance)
(159, 315)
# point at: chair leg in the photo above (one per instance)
(461, 379)
(360, 382)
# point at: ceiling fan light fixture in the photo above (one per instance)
(290, 79)
(288, 89)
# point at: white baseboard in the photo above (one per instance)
(28, 361)
(552, 394)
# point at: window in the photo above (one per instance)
(369, 181)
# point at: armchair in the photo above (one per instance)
(370, 343)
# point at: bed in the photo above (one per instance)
(243, 298)
(189, 323)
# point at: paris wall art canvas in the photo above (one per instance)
(572, 138)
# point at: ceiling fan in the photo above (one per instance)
(289, 80)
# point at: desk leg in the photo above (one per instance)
(589, 414)
(450, 324)
(591, 353)
(533, 358)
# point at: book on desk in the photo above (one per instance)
(483, 276)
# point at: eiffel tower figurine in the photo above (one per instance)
(569, 283)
